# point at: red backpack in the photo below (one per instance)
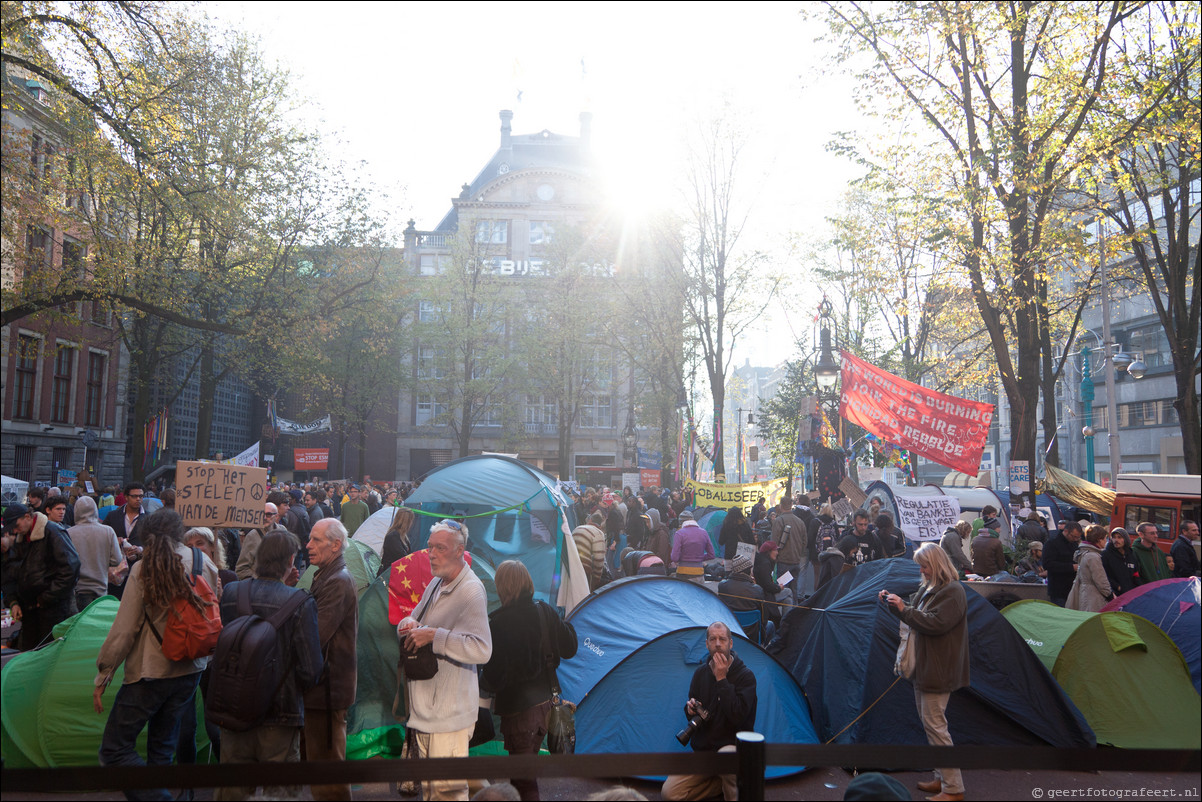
(190, 633)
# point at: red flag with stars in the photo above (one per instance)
(407, 581)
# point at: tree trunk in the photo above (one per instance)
(1186, 405)
(141, 413)
(205, 401)
(718, 392)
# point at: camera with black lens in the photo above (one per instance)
(695, 721)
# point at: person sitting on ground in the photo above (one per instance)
(1091, 590)
(763, 571)
(1030, 568)
(741, 594)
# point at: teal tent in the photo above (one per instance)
(513, 511)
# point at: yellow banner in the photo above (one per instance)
(745, 496)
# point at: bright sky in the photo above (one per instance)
(415, 88)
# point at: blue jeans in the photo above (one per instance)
(154, 703)
(795, 584)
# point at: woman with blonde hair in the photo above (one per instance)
(937, 617)
(396, 539)
(518, 673)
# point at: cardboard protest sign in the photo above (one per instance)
(948, 430)
(727, 496)
(215, 494)
(926, 517)
(853, 492)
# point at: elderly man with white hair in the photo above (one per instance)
(452, 616)
(338, 627)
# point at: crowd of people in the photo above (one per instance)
(59, 556)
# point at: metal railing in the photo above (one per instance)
(747, 763)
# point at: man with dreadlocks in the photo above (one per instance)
(156, 690)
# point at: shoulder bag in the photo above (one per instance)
(561, 724)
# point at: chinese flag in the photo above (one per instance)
(407, 581)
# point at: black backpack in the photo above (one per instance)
(249, 665)
(828, 535)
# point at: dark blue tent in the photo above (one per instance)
(842, 648)
(1174, 605)
(641, 639)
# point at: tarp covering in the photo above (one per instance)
(12, 490)
(1077, 491)
(1174, 605)
(514, 511)
(46, 696)
(841, 650)
(1125, 675)
(641, 639)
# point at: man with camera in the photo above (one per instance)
(722, 703)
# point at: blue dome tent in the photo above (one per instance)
(513, 511)
(641, 639)
(841, 649)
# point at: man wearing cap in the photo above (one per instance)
(740, 593)
(354, 511)
(45, 573)
(1030, 568)
(691, 548)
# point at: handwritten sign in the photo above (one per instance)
(1020, 476)
(853, 492)
(217, 494)
(926, 517)
(745, 495)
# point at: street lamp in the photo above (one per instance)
(826, 372)
(630, 439)
(739, 441)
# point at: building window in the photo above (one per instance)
(24, 460)
(540, 410)
(541, 232)
(426, 312)
(596, 412)
(491, 414)
(73, 256)
(60, 397)
(428, 410)
(36, 240)
(95, 395)
(428, 264)
(492, 231)
(62, 459)
(1151, 345)
(27, 377)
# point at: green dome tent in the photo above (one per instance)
(1124, 674)
(46, 696)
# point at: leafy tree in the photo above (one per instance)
(1148, 188)
(1009, 91)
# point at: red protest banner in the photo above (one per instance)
(310, 459)
(942, 428)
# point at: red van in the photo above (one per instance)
(1162, 499)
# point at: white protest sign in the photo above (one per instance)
(631, 480)
(1020, 476)
(926, 517)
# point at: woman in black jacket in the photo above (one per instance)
(1118, 558)
(396, 539)
(517, 673)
